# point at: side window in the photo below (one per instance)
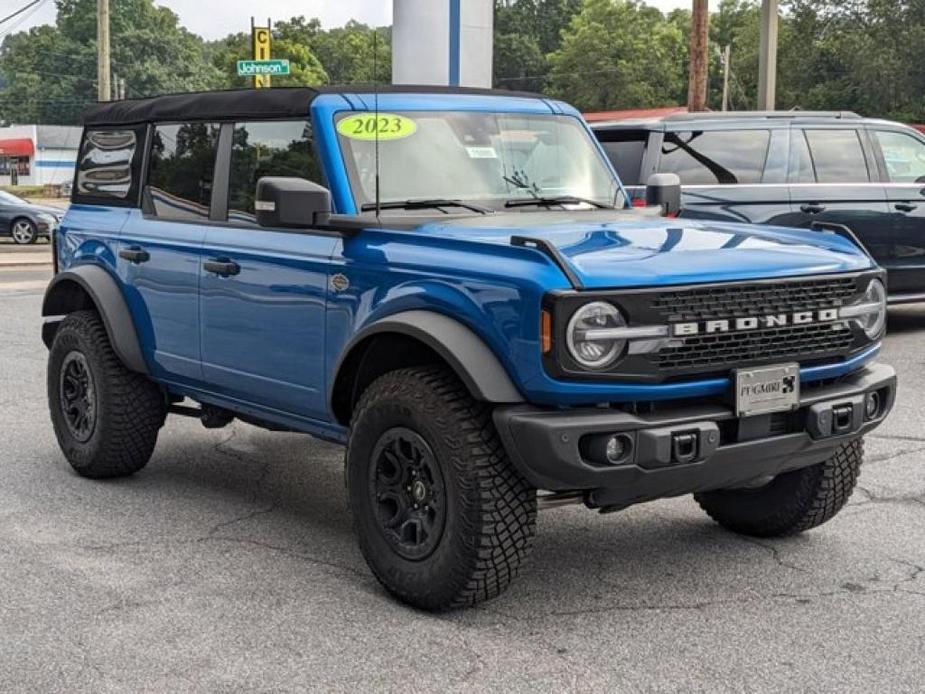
(838, 156)
(711, 157)
(904, 156)
(272, 148)
(181, 170)
(625, 149)
(801, 163)
(108, 166)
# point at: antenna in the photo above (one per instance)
(376, 109)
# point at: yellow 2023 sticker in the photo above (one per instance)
(364, 126)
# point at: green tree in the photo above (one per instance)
(518, 63)
(51, 71)
(347, 53)
(525, 31)
(619, 54)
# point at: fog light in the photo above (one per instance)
(607, 449)
(872, 405)
(616, 449)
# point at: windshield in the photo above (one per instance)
(10, 199)
(489, 159)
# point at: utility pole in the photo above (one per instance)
(102, 46)
(767, 56)
(699, 63)
(727, 57)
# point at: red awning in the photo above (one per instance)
(21, 147)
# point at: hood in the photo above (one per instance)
(616, 248)
(57, 212)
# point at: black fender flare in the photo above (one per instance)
(109, 302)
(465, 352)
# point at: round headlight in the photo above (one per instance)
(587, 338)
(874, 320)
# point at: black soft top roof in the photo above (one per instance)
(279, 102)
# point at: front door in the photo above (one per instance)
(834, 181)
(263, 291)
(903, 161)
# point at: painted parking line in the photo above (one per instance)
(23, 287)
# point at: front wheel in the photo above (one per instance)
(792, 502)
(24, 232)
(443, 518)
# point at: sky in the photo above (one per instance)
(214, 19)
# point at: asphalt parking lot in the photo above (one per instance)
(229, 564)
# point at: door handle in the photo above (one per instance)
(134, 254)
(225, 268)
(812, 208)
(906, 206)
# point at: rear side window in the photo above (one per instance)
(716, 157)
(903, 155)
(181, 170)
(838, 156)
(274, 148)
(625, 149)
(108, 166)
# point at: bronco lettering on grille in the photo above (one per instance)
(754, 322)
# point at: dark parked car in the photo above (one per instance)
(823, 170)
(26, 222)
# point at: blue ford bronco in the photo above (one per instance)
(451, 282)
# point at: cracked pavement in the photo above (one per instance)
(229, 564)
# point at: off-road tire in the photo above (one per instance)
(129, 408)
(490, 509)
(792, 502)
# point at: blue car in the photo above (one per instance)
(453, 284)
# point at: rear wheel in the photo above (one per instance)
(106, 418)
(792, 502)
(23, 231)
(443, 518)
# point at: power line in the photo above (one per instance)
(20, 10)
(34, 8)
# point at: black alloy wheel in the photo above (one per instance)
(409, 493)
(77, 394)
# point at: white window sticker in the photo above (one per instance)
(481, 152)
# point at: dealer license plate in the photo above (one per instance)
(766, 390)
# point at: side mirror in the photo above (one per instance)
(291, 202)
(664, 190)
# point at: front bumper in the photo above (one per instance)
(691, 448)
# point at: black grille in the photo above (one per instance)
(734, 349)
(743, 300)
(715, 352)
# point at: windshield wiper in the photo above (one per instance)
(423, 204)
(550, 201)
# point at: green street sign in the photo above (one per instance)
(249, 68)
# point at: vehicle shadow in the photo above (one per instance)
(285, 494)
(906, 318)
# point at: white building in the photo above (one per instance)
(38, 154)
(442, 42)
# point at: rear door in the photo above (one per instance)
(263, 322)
(732, 175)
(160, 246)
(901, 155)
(834, 180)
